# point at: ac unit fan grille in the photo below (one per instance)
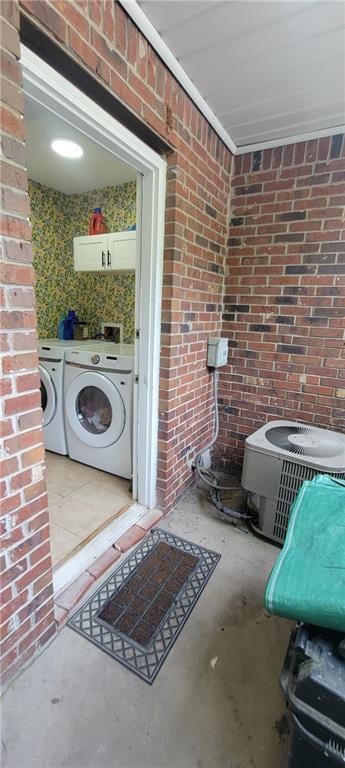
(291, 478)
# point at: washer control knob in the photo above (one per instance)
(95, 359)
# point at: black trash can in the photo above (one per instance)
(313, 680)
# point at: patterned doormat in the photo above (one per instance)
(138, 613)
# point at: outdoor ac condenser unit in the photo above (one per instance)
(277, 460)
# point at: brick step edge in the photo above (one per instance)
(67, 600)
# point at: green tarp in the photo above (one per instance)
(307, 582)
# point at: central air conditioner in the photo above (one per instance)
(277, 460)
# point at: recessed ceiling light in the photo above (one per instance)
(67, 148)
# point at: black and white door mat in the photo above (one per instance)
(138, 613)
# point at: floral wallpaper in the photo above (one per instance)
(56, 218)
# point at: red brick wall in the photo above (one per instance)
(26, 614)
(285, 292)
(100, 37)
(196, 224)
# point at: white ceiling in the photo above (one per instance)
(268, 70)
(97, 168)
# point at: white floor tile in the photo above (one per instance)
(81, 499)
(85, 509)
(62, 542)
(64, 475)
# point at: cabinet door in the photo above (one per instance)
(122, 251)
(90, 253)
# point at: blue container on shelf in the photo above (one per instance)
(66, 325)
(69, 324)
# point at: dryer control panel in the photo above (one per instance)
(92, 359)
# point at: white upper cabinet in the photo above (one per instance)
(122, 250)
(113, 252)
(90, 253)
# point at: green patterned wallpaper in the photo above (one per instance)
(57, 218)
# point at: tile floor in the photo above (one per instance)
(81, 499)
(216, 702)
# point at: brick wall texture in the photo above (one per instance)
(27, 616)
(281, 309)
(284, 297)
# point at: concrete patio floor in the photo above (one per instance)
(75, 707)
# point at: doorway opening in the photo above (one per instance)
(99, 388)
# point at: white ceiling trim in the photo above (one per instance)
(149, 31)
(285, 140)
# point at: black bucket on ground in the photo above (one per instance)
(313, 681)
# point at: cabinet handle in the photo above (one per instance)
(103, 259)
(109, 262)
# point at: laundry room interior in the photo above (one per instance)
(83, 218)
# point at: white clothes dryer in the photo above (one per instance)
(98, 399)
(51, 353)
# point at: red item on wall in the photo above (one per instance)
(97, 223)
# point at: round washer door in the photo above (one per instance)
(95, 410)
(48, 396)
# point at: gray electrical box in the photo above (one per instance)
(217, 352)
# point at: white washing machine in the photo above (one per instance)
(51, 354)
(98, 400)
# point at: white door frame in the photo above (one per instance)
(47, 87)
